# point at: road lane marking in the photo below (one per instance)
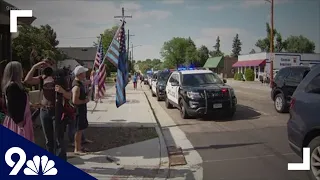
(250, 157)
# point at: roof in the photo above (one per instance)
(214, 62)
(80, 53)
(195, 71)
(249, 63)
(68, 63)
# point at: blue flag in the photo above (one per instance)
(122, 68)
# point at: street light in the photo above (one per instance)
(271, 57)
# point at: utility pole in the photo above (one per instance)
(128, 47)
(132, 66)
(272, 56)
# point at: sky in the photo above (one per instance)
(78, 23)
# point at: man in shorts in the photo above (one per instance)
(80, 99)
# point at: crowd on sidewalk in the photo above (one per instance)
(63, 93)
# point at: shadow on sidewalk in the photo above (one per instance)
(221, 146)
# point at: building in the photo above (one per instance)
(68, 63)
(221, 65)
(5, 35)
(260, 62)
(83, 55)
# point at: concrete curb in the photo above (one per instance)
(164, 168)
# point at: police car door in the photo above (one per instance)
(175, 89)
(169, 87)
(154, 84)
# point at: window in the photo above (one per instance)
(173, 78)
(314, 85)
(282, 73)
(200, 79)
(297, 74)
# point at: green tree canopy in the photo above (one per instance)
(236, 46)
(176, 51)
(203, 55)
(216, 52)
(299, 44)
(42, 40)
(148, 64)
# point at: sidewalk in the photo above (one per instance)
(143, 160)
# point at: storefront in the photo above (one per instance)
(260, 62)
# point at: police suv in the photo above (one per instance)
(199, 92)
(158, 87)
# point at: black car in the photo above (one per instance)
(162, 78)
(304, 125)
(199, 92)
(284, 84)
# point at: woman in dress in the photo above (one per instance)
(18, 118)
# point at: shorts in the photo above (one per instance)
(81, 122)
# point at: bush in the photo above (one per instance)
(239, 77)
(249, 74)
(235, 77)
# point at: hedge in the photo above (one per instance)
(249, 74)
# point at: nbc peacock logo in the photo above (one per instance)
(47, 166)
(36, 166)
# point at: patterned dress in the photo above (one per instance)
(25, 128)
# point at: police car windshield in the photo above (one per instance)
(200, 79)
(163, 76)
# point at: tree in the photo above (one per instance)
(264, 44)
(203, 55)
(107, 38)
(252, 51)
(216, 52)
(148, 64)
(175, 51)
(299, 44)
(42, 40)
(236, 46)
(191, 52)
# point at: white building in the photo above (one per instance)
(260, 62)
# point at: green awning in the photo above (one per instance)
(214, 62)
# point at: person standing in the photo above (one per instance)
(135, 79)
(48, 90)
(80, 100)
(18, 114)
(92, 79)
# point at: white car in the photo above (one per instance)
(154, 84)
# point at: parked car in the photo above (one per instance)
(284, 84)
(304, 125)
(159, 86)
(145, 79)
(199, 92)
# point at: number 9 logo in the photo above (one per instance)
(16, 166)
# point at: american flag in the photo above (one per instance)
(101, 67)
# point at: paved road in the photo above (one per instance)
(253, 146)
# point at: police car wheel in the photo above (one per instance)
(183, 112)
(168, 104)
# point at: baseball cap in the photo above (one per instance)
(79, 69)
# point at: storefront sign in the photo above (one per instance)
(285, 60)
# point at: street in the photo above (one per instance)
(252, 146)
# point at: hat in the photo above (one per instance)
(79, 69)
